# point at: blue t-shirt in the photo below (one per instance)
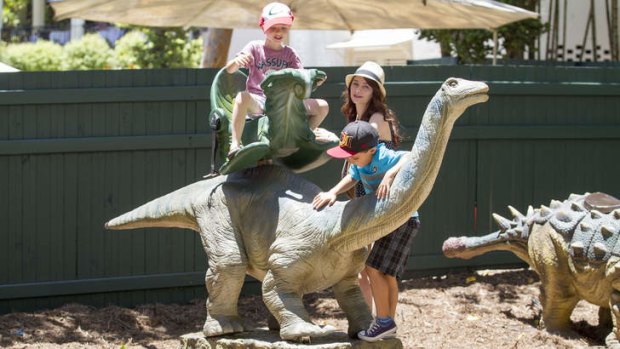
(371, 175)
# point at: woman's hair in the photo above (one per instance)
(375, 105)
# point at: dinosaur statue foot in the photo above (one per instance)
(221, 324)
(301, 331)
(246, 157)
(612, 342)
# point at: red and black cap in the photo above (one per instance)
(356, 137)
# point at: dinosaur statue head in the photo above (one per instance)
(459, 94)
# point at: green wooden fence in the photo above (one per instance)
(79, 148)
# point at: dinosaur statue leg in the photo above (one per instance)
(557, 295)
(557, 308)
(612, 341)
(224, 286)
(225, 276)
(350, 299)
(288, 309)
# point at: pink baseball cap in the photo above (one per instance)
(275, 13)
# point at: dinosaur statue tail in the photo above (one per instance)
(172, 210)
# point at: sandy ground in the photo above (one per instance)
(482, 309)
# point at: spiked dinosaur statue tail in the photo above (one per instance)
(261, 222)
(573, 246)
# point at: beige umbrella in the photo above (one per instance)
(309, 14)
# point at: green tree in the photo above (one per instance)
(473, 46)
(15, 12)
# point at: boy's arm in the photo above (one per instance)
(386, 183)
(346, 183)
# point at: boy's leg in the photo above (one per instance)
(364, 282)
(383, 326)
(380, 291)
(317, 110)
(393, 294)
(244, 103)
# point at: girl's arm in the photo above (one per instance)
(241, 60)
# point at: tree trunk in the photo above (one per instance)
(216, 43)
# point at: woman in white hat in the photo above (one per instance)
(364, 99)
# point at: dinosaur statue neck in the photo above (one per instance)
(366, 220)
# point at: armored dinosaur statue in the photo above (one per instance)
(283, 134)
(573, 246)
(260, 221)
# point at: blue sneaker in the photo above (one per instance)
(377, 332)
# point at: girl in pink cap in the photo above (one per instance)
(261, 57)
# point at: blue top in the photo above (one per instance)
(371, 175)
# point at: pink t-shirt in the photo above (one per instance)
(266, 60)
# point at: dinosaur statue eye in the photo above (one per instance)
(453, 83)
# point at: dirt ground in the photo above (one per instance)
(481, 309)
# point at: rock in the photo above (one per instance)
(265, 339)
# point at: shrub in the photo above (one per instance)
(131, 49)
(158, 48)
(42, 55)
(91, 52)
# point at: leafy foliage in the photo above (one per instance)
(91, 52)
(14, 12)
(43, 55)
(473, 46)
(158, 48)
(140, 48)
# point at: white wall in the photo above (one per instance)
(576, 19)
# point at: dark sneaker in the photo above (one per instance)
(377, 332)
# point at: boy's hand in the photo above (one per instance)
(321, 81)
(383, 191)
(322, 199)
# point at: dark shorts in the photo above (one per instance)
(389, 254)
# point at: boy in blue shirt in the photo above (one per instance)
(375, 166)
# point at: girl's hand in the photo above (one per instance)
(244, 60)
(322, 199)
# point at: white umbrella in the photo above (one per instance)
(309, 14)
(5, 68)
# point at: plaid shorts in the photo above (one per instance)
(389, 254)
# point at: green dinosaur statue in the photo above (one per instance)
(261, 222)
(573, 246)
(283, 135)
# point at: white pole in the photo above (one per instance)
(38, 14)
(1, 7)
(494, 46)
(77, 28)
